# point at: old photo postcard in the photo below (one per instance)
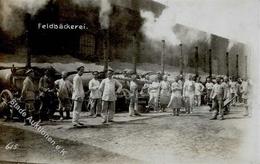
(129, 81)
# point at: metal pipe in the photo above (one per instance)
(181, 62)
(134, 54)
(210, 63)
(162, 57)
(105, 49)
(245, 66)
(28, 42)
(237, 67)
(227, 63)
(197, 61)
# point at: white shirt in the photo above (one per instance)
(154, 87)
(209, 85)
(198, 89)
(233, 87)
(108, 87)
(65, 88)
(78, 90)
(189, 88)
(93, 86)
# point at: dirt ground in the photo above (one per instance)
(33, 148)
(165, 139)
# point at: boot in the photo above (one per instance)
(131, 111)
(178, 112)
(68, 115)
(61, 115)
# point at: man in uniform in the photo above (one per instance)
(64, 94)
(188, 94)
(217, 96)
(244, 91)
(154, 91)
(47, 96)
(28, 95)
(108, 89)
(95, 96)
(165, 92)
(199, 87)
(133, 105)
(78, 96)
(209, 87)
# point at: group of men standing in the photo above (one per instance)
(163, 94)
(102, 96)
(190, 92)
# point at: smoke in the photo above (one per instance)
(12, 14)
(230, 45)
(160, 28)
(190, 36)
(104, 11)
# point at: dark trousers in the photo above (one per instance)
(217, 106)
(48, 106)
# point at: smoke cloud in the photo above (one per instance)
(160, 28)
(104, 11)
(12, 14)
(190, 36)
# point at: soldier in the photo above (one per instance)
(165, 92)
(154, 90)
(47, 96)
(64, 94)
(233, 90)
(28, 95)
(144, 90)
(188, 94)
(225, 83)
(244, 91)
(108, 88)
(77, 96)
(217, 96)
(176, 97)
(209, 87)
(198, 91)
(133, 106)
(95, 96)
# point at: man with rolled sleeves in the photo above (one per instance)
(77, 96)
(108, 89)
(95, 96)
(28, 95)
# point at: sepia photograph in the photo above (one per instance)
(129, 81)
